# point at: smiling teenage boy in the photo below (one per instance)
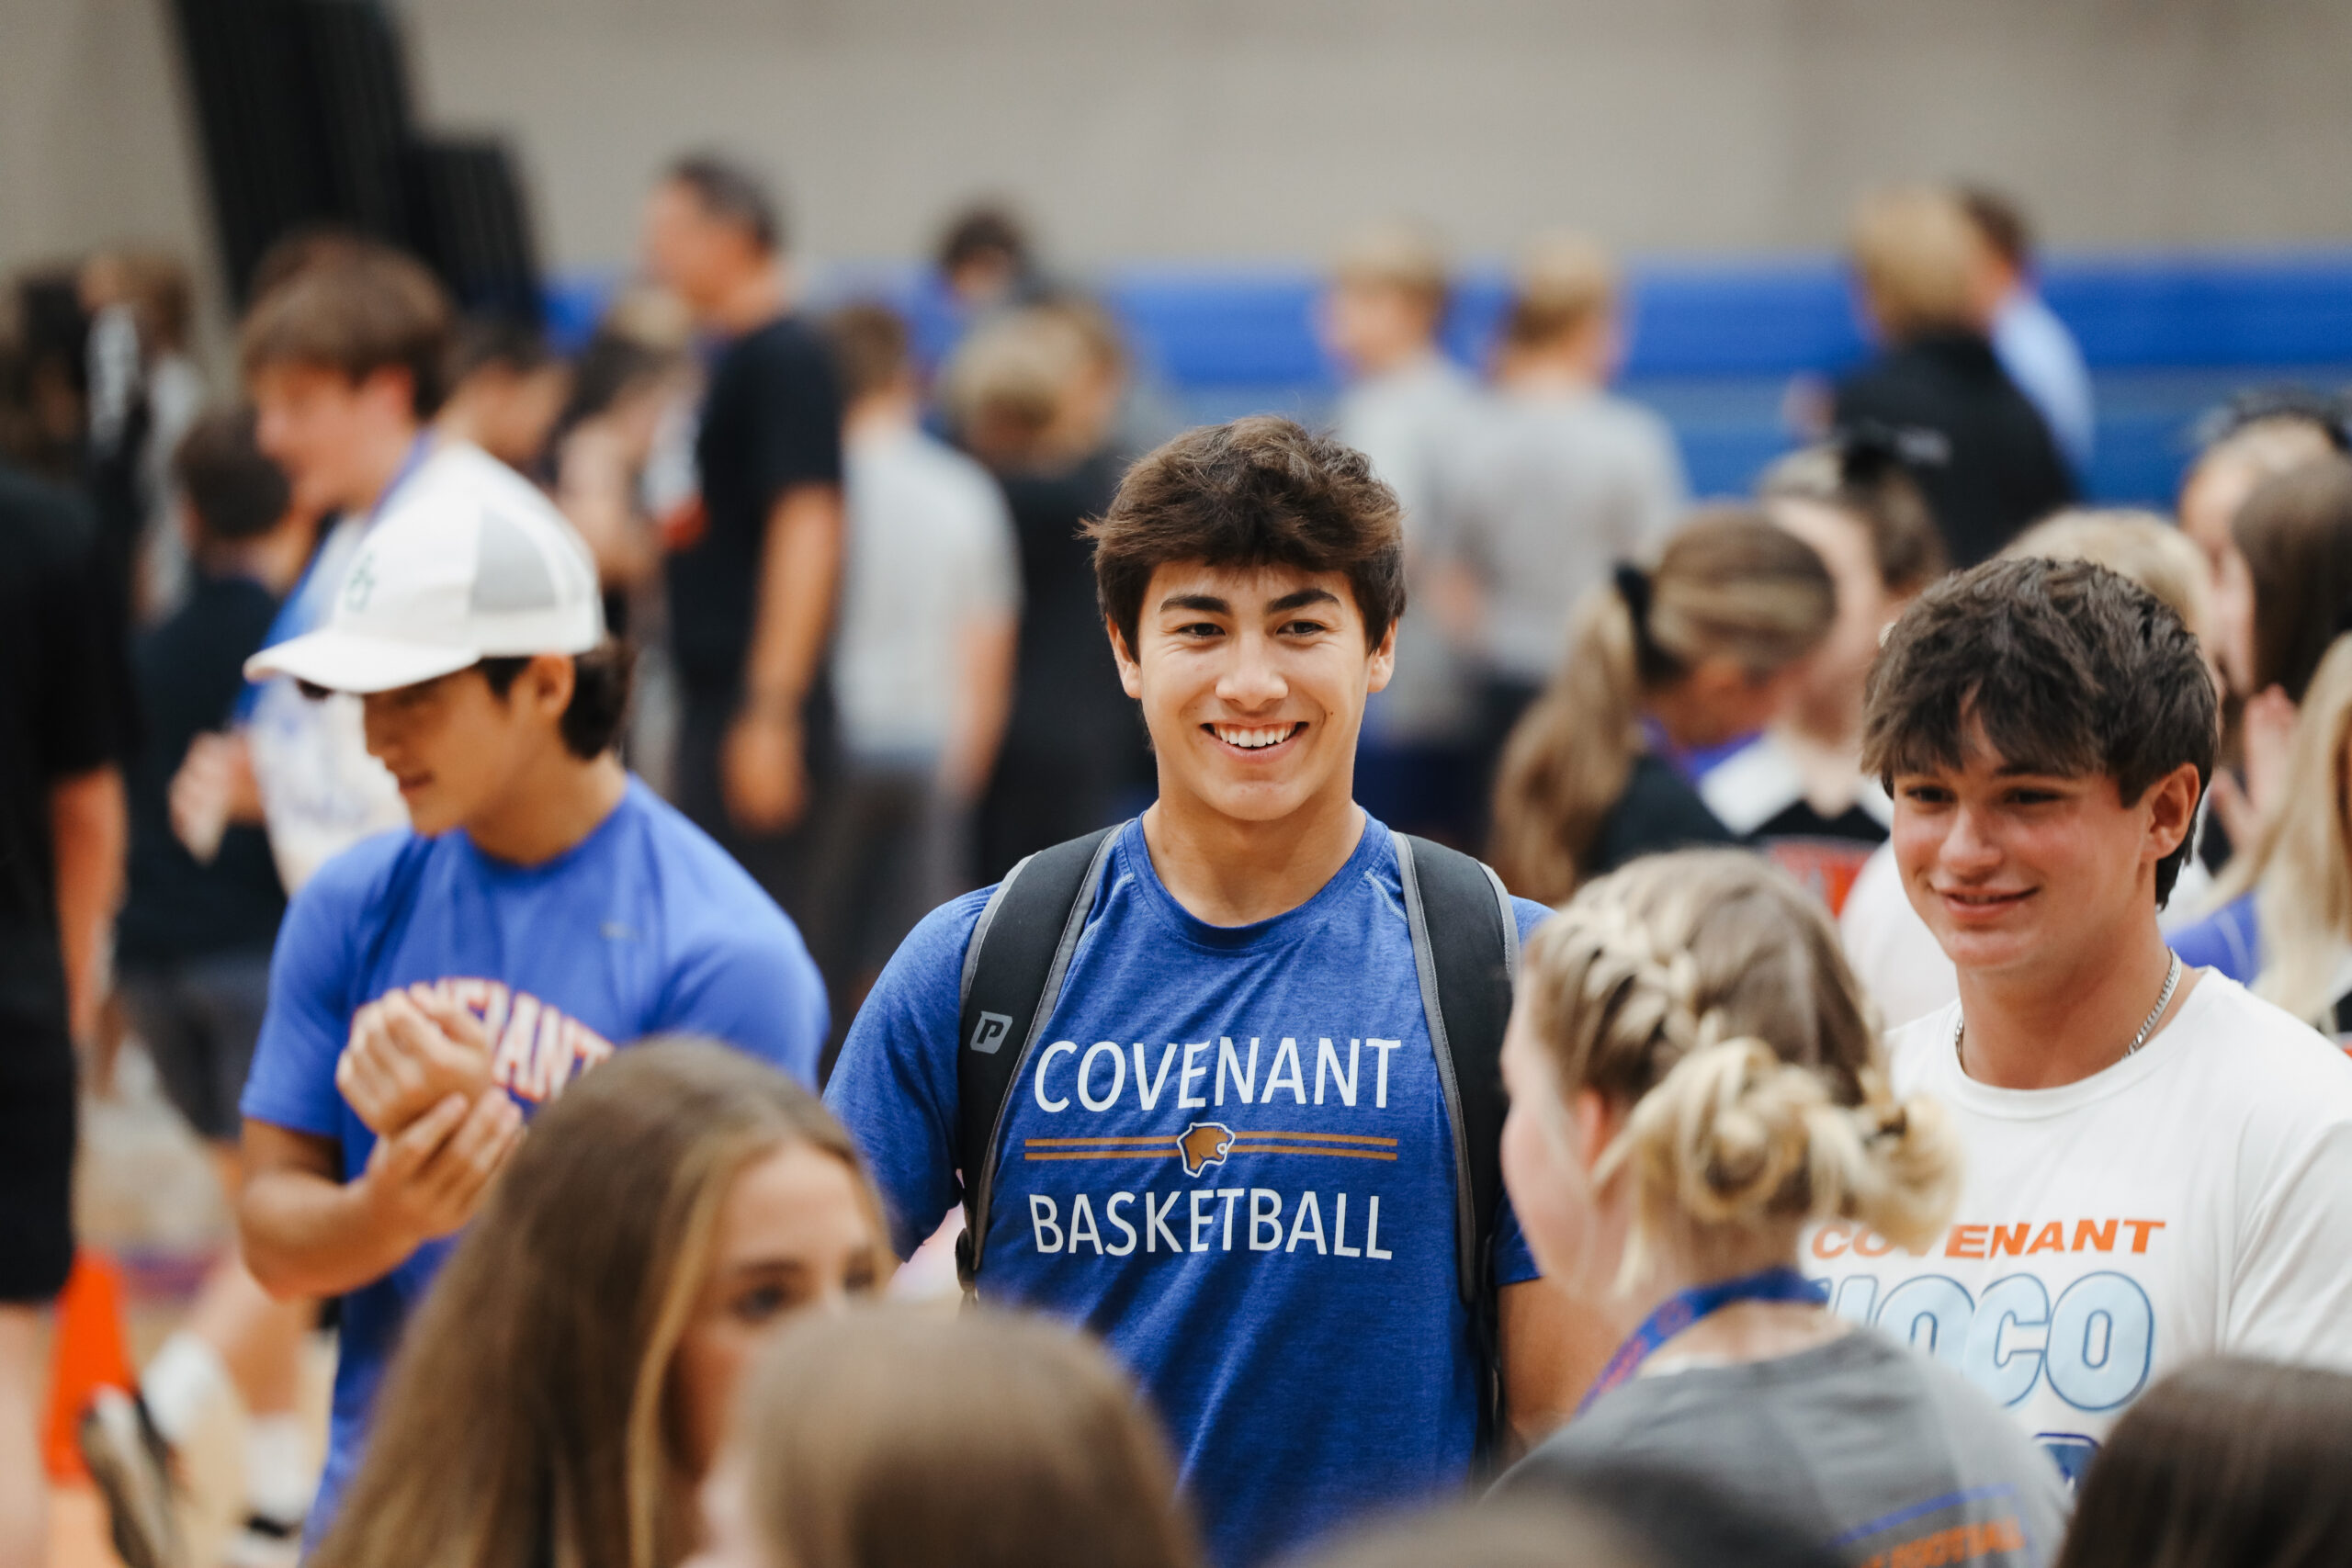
(2156, 1160)
(433, 985)
(1227, 1137)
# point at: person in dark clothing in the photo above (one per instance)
(60, 858)
(1976, 445)
(756, 564)
(1703, 647)
(192, 943)
(1029, 396)
(192, 952)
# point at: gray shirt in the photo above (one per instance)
(1406, 421)
(1541, 496)
(1864, 1445)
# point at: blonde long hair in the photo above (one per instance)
(526, 1420)
(1729, 584)
(1704, 994)
(2299, 868)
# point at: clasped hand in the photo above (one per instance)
(418, 1072)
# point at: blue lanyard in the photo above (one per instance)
(1683, 1308)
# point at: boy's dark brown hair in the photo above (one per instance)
(869, 344)
(1259, 491)
(2067, 669)
(356, 311)
(234, 490)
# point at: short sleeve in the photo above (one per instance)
(311, 975)
(1514, 1263)
(796, 419)
(894, 1086)
(764, 998)
(2291, 1291)
(1665, 492)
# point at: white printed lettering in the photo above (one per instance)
(1339, 1247)
(1155, 1216)
(1327, 1056)
(1111, 1213)
(1043, 1217)
(1044, 1060)
(1229, 1194)
(1372, 1247)
(1147, 1089)
(509, 1068)
(1086, 1074)
(1308, 1209)
(1380, 1088)
(1266, 1214)
(1287, 1051)
(1226, 1058)
(1081, 1223)
(1185, 1098)
(1201, 1222)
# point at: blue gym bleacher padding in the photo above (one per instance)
(1713, 345)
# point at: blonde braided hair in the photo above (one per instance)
(1704, 995)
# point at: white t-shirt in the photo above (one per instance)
(931, 549)
(2188, 1201)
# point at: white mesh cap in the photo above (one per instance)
(469, 562)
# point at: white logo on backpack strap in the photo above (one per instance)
(990, 1032)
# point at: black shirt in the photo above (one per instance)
(189, 671)
(60, 685)
(2002, 471)
(771, 421)
(1657, 812)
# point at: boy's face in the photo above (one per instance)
(2016, 872)
(458, 750)
(326, 430)
(1252, 682)
(695, 255)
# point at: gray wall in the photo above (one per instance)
(1256, 129)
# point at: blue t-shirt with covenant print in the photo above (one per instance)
(645, 927)
(1230, 1158)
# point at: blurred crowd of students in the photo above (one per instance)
(882, 679)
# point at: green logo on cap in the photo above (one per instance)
(361, 586)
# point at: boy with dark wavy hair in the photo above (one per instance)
(1225, 1134)
(2156, 1159)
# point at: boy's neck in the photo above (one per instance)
(892, 412)
(2065, 1021)
(1228, 872)
(551, 810)
(752, 301)
(379, 465)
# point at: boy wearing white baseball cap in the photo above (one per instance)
(433, 985)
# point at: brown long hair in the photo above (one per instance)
(897, 1439)
(525, 1419)
(2230, 1462)
(2295, 532)
(1728, 583)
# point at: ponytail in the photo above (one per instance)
(1704, 994)
(1730, 583)
(1568, 761)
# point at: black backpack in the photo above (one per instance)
(1465, 945)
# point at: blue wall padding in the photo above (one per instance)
(1712, 344)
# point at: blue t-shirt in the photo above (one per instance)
(1231, 1159)
(644, 927)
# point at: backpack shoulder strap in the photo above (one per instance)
(1013, 968)
(1465, 946)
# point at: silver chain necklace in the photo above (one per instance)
(2164, 1001)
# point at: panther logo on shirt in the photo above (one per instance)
(1203, 1144)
